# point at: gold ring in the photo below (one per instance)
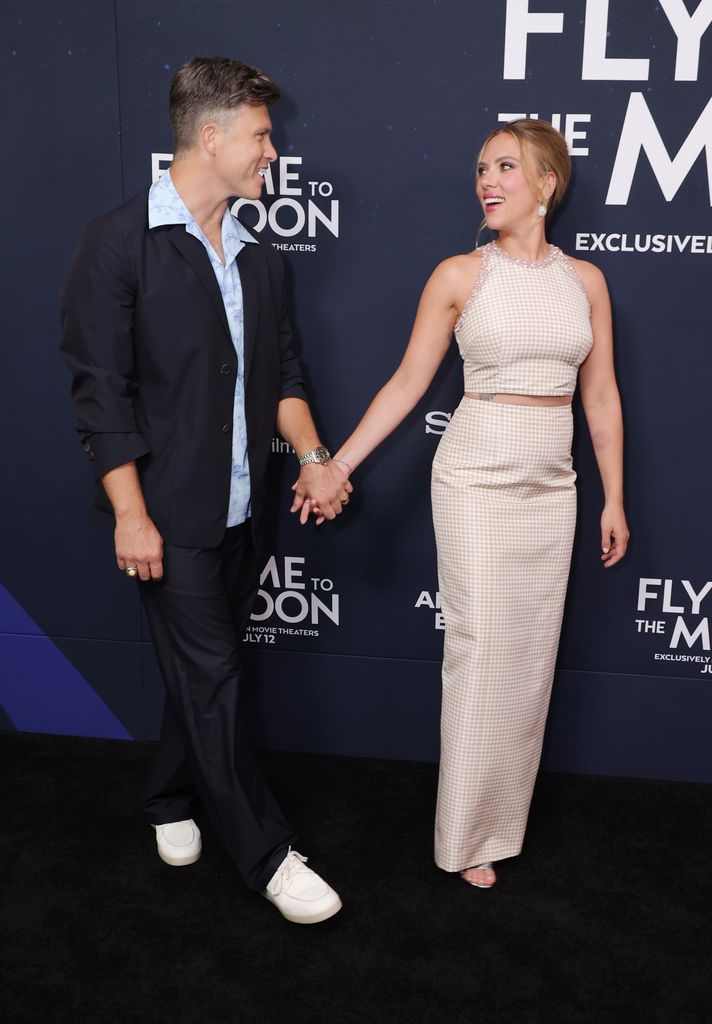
(345, 500)
(131, 571)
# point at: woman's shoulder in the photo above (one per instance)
(464, 260)
(454, 279)
(589, 273)
(463, 266)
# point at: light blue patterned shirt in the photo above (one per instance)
(165, 206)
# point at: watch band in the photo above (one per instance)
(319, 454)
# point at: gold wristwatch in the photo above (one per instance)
(319, 454)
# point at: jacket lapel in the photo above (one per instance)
(250, 300)
(194, 252)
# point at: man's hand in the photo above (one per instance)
(321, 489)
(138, 543)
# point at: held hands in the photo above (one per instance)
(614, 535)
(322, 490)
(139, 544)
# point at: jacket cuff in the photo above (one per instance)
(107, 451)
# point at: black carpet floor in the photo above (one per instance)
(604, 918)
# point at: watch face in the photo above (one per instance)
(322, 455)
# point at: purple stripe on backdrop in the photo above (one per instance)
(40, 690)
(14, 618)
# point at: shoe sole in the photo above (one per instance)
(322, 915)
(179, 862)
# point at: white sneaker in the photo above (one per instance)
(299, 894)
(178, 842)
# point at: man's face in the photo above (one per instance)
(243, 150)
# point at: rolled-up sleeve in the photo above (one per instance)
(292, 382)
(97, 313)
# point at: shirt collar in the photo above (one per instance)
(165, 206)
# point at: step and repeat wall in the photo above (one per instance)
(384, 107)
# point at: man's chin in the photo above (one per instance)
(250, 192)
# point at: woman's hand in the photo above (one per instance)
(322, 490)
(614, 535)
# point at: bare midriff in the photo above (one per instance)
(521, 399)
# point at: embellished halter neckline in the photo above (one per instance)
(528, 264)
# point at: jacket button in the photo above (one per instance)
(225, 368)
(227, 427)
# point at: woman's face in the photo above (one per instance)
(502, 187)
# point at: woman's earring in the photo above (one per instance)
(542, 210)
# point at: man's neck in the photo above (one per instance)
(206, 203)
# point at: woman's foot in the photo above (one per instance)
(482, 876)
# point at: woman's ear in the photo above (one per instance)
(549, 185)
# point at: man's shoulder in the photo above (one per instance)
(127, 220)
(131, 210)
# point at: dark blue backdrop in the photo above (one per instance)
(384, 108)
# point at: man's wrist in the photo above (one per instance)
(319, 455)
(130, 516)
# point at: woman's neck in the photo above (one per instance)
(528, 244)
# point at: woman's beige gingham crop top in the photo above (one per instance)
(525, 328)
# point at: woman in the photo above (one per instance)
(527, 320)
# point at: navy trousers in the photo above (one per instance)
(197, 614)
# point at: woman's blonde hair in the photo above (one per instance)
(543, 150)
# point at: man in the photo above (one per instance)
(177, 337)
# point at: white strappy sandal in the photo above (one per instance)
(478, 867)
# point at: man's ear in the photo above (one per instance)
(208, 136)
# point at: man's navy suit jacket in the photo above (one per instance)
(147, 340)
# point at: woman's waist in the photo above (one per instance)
(516, 398)
(539, 377)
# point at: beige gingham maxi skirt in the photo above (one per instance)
(504, 510)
